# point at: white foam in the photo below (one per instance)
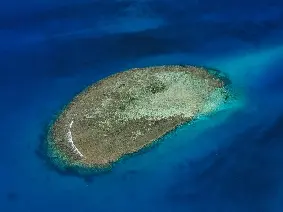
(70, 140)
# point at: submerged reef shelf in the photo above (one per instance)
(130, 111)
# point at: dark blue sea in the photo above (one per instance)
(229, 162)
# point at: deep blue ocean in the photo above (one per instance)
(229, 162)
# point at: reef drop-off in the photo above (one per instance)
(129, 111)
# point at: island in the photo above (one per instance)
(129, 111)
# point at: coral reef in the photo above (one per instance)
(130, 110)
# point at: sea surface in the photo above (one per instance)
(229, 162)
